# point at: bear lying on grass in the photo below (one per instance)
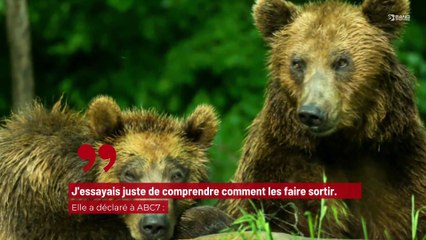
(38, 158)
(338, 103)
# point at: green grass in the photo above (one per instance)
(415, 214)
(364, 228)
(317, 223)
(258, 225)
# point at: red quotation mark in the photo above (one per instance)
(106, 152)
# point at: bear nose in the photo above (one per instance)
(154, 226)
(311, 115)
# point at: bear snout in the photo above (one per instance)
(312, 116)
(317, 120)
(155, 226)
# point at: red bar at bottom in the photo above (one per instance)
(117, 206)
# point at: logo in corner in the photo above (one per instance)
(396, 17)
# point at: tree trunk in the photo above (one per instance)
(18, 32)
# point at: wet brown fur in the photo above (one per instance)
(38, 150)
(203, 220)
(380, 140)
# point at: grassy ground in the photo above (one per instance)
(255, 226)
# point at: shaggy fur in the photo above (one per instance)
(38, 150)
(202, 220)
(375, 137)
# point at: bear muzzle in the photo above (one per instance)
(312, 116)
(315, 119)
(155, 227)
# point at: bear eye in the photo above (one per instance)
(341, 63)
(177, 175)
(297, 65)
(129, 176)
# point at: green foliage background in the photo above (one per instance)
(166, 54)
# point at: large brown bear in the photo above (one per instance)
(38, 158)
(338, 103)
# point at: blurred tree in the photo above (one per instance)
(18, 32)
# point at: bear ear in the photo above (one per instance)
(383, 13)
(272, 15)
(201, 126)
(104, 116)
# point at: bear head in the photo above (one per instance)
(336, 65)
(153, 148)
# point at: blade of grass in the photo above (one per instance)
(415, 214)
(364, 228)
(310, 224)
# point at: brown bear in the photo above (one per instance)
(38, 151)
(339, 104)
